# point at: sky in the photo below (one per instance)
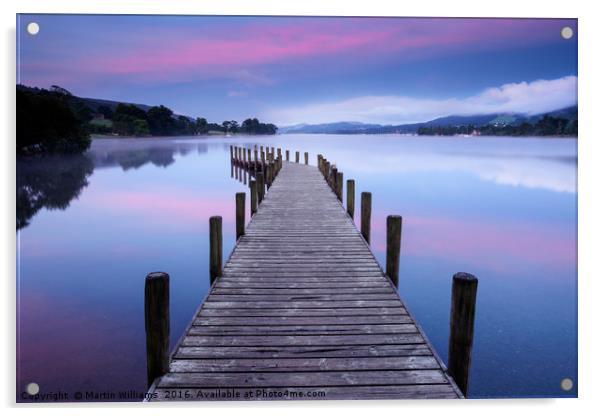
(291, 70)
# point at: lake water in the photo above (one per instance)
(93, 226)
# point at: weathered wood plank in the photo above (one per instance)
(303, 364)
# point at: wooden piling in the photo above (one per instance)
(297, 156)
(350, 197)
(306, 158)
(287, 155)
(156, 324)
(231, 153)
(366, 214)
(253, 198)
(393, 247)
(215, 248)
(339, 186)
(240, 214)
(260, 187)
(332, 180)
(461, 328)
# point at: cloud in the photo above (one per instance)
(522, 97)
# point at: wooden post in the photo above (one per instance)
(287, 154)
(268, 175)
(215, 248)
(333, 179)
(350, 197)
(156, 324)
(297, 156)
(240, 214)
(327, 171)
(231, 153)
(255, 155)
(260, 186)
(393, 247)
(306, 158)
(461, 328)
(249, 157)
(366, 214)
(339, 186)
(253, 192)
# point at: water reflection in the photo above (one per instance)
(53, 181)
(49, 182)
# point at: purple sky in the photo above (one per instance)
(289, 70)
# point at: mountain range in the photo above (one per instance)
(497, 119)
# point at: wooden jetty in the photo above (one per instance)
(301, 309)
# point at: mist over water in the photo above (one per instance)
(91, 227)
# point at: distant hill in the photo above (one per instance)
(327, 127)
(480, 120)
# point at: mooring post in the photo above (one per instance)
(327, 172)
(287, 154)
(215, 248)
(333, 179)
(306, 158)
(297, 156)
(366, 214)
(253, 192)
(240, 214)
(268, 175)
(350, 197)
(156, 324)
(260, 187)
(339, 186)
(461, 328)
(393, 247)
(249, 157)
(231, 153)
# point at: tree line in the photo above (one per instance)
(545, 126)
(55, 120)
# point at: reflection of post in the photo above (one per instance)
(461, 328)
(366, 214)
(393, 247)
(156, 323)
(215, 248)
(253, 192)
(240, 214)
(350, 197)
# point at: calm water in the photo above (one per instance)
(93, 226)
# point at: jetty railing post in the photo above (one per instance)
(393, 247)
(268, 175)
(350, 197)
(231, 154)
(461, 328)
(253, 192)
(333, 179)
(156, 325)
(240, 214)
(297, 156)
(327, 171)
(260, 187)
(287, 155)
(339, 186)
(215, 248)
(249, 157)
(306, 158)
(366, 214)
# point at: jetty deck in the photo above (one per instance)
(303, 310)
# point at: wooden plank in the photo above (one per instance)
(302, 329)
(224, 321)
(268, 340)
(397, 392)
(303, 364)
(308, 351)
(302, 379)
